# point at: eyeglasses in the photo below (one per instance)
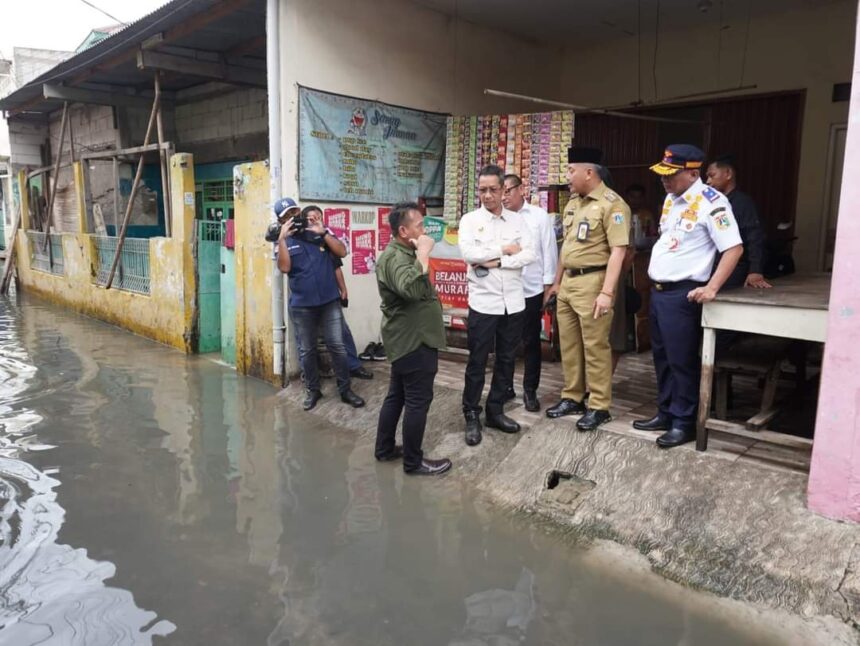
(510, 189)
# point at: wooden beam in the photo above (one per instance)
(205, 69)
(163, 162)
(136, 150)
(217, 11)
(10, 256)
(771, 437)
(56, 176)
(134, 186)
(38, 171)
(116, 196)
(71, 141)
(256, 43)
(79, 95)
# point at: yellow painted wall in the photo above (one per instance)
(254, 339)
(166, 314)
(182, 230)
(159, 316)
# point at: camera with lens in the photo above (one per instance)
(300, 223)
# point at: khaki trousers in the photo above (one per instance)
(586, 356)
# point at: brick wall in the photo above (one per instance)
(94, 129)
(230, 115)
(25, 141)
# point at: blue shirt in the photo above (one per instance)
(312, 281)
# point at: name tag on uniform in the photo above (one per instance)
(582, 231)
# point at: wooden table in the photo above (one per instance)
(796, 308)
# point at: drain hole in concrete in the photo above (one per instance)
(555, 476)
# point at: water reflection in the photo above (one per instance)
(50, 593)
(245, 521)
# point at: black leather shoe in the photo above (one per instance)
(531, 401)
(675, 437)
(367, 354)
(510, 394)
(473, 429)
(311, 399)
(565, 407)
(352, 399)
(656, 423)
(430, 467)
(502, 422)
(396, 454)
(361, 373)
(592, 419)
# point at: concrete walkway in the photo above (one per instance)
(731, 521)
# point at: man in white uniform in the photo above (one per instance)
(696, 223)
(496, 244)
(537, 278)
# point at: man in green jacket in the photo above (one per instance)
(412, 333)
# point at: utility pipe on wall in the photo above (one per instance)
(273, 84)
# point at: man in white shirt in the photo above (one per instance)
(696, 223)
(496, 244)
(537, 278)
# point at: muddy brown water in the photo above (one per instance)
(147, 497)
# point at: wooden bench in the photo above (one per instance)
(757, 356)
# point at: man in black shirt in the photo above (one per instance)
(722, 175)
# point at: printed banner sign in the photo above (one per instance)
(337, 220)
(384, 228)
(434, 227)
(448, 276)
(363, 251)
(354, 150)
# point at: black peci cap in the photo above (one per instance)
(580, 155)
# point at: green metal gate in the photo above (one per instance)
(215, 205)
(209, 236)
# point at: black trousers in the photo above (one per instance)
(486, 331)
(531, 341)
(410, 387)
(676, 336)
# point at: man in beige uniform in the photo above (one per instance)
(596, 235)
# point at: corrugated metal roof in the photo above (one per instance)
(99, 65)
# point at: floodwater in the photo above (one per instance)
(147, 498)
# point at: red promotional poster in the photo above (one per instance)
(338, 221)
(448, 275)
(384, 228)
(363, 252)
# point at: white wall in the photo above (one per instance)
(804, 49)
(400, 53)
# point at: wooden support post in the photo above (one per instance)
(116, 204)
(162, 159)
(54, 188)
(71, 141)
(10, 256)
(134, 186)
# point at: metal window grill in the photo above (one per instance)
(218, 191)
(132, 271)
(210, 231)
(44, 259)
